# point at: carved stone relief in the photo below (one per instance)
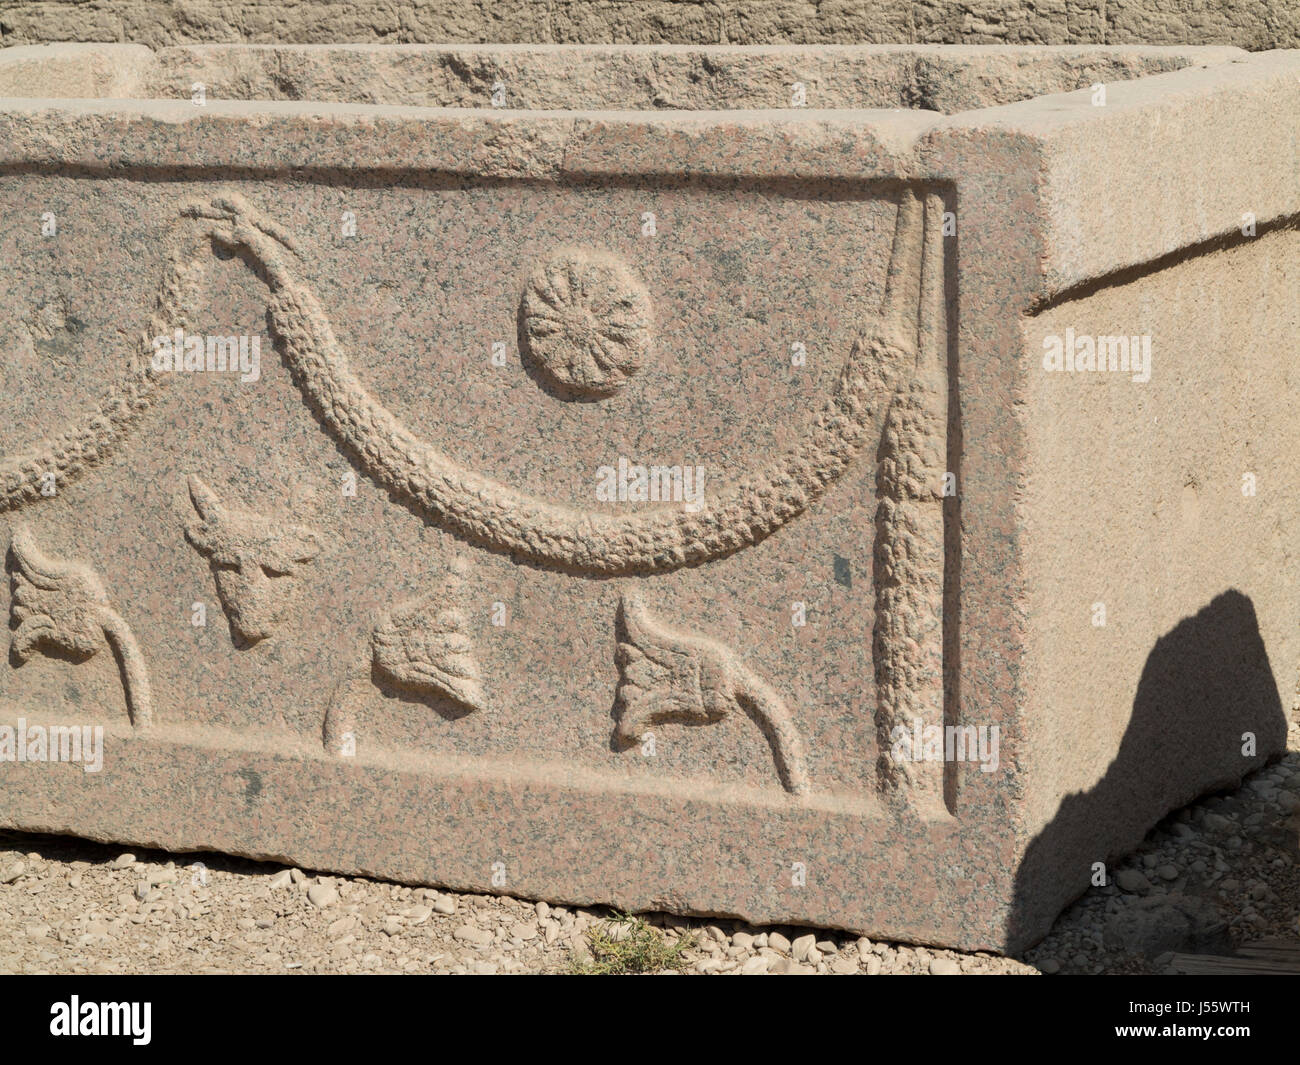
(666, 676)
(587, 321)
(478, 508)
(62, 608)
(422, 646)
(253, 561)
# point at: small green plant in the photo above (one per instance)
(626, 944)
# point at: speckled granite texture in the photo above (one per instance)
(1252, 24)
(585, 497)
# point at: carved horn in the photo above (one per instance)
(632, 612)
(205, 500)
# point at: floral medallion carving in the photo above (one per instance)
(587, 321)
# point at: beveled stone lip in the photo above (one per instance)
(303, 811)
(550, 144)
(1091, 228)
(948, 79)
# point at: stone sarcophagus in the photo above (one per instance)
(845, 487)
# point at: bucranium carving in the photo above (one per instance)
(252, 559)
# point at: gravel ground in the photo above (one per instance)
(1222, 871)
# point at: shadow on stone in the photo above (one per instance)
(1205, 685)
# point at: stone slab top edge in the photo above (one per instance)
(949, 78)
(1039, 119)
(1170, 161)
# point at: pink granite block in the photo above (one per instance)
(793, 494)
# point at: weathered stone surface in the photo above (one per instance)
(388, 597)
(628, 77)
(1246, 23)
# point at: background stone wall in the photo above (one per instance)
(1255, 24)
